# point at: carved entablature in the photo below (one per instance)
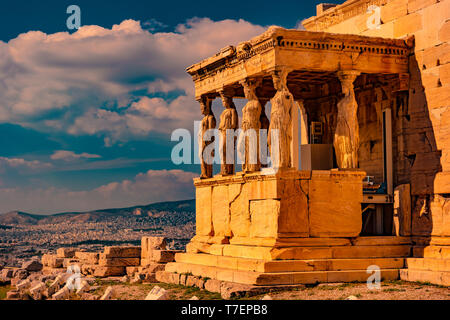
(303, 52)
(340, 13)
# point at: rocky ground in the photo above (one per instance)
(394, 290)
(124, 290)
(391, 290)
(35, 280)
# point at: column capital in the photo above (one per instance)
(250, 85)
(226, 93)
(227, 99)
(281, 70)
(205, 99)
(347, 77)
(279, 77)
(251, 82)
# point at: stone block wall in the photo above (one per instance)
(255, 208)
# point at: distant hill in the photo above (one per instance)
(165, 213)
(21, 218)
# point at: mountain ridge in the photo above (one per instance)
(155, 210)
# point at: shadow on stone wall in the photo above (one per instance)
(420, 159)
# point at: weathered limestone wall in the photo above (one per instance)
(250, 207)
(423, 124)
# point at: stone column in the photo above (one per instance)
(346, 136)
(304, 130)
(265, 124)
(281, 122)
(208, 122)
(229, 122)
(294, 133)
(248, 144)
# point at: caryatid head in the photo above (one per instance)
(347, 79)
(227, 100)
(205, 105)
(279, 78)
(250, 86)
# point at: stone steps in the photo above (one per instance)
(436, 277)
(433, 268)
(316, 242)
(280, 278)
(435, 252)
(306, 253)
(428, 264)
(299, 261)
(258, 265)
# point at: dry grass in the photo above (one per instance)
(3, 291)
(390, 290)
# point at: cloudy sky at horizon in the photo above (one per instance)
(86, 116)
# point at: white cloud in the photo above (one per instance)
(142, 117)
(75, 74)
(22, 164)
(96, 82)
(145, 188)
(70, 155)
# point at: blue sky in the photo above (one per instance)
(86, 117)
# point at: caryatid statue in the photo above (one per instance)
(346, 136)
(281, 122)
(265, 123)
(208, 122)
(229, 122)
(248, 145)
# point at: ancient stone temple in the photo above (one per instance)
(361, 108)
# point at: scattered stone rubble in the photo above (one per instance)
(157, 293)
(84, 287)
(32, 266)
(138, 263)
(62, 294)
(109, 294)
(37, 291)
(226, 289)
(55, 275)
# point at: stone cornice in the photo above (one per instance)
(289, 174)
(257, 176)
(298, 50)
(228, 59)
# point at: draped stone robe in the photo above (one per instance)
(281, 125)
(229, 121)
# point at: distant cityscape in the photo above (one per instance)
(23, 236)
